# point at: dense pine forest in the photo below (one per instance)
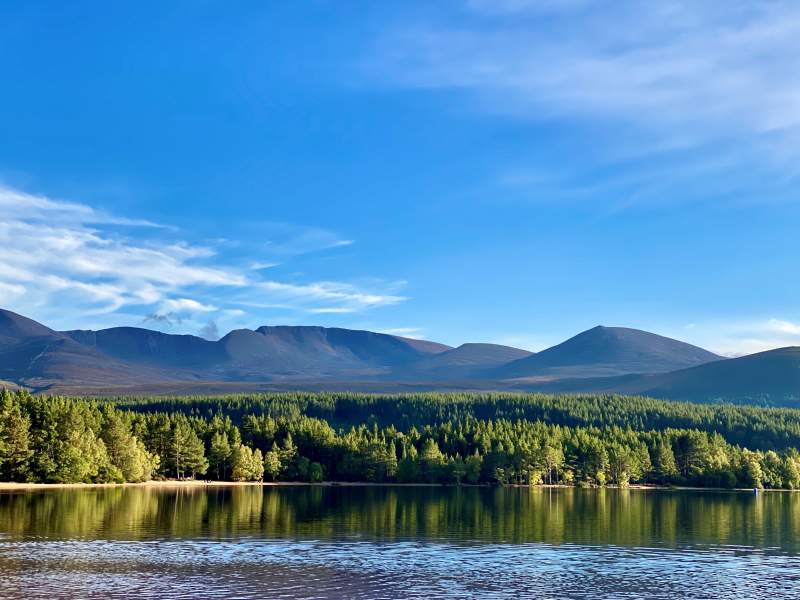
(525, 439)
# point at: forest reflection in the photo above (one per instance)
(468, 514)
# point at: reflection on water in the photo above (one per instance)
(398, 542)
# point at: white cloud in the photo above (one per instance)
(41, 208)
(658, 64)
(178, 305)
(737, 338)
(327, 296)
(260, 266)
(63, 254)
(531, 343)
(784, 327)
(414, 333)
(640, 77)
(70, 265)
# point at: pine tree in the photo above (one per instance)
(126, 453)
(241, 463)
(473, 466)
(257, 466)
(288, 458)
(14, 439)
(272, 462)
(663, 460)
(186, 451)
(220, 454)
(431, 460)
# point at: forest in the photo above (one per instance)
(491, 439)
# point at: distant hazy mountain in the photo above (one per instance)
(139, 345)
(771, 377)
(467, 361)
(603, 359)
(35, 355)
(318, 352)
(263, 354)
(607, 351)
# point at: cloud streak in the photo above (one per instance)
(67, 263)
(688, 82)
(737, 338)
(652, 64)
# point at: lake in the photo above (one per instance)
(398, 542)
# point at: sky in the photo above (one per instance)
(509, 171)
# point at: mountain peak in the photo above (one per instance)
(13, 325)
(605, 351)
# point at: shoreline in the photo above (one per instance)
(8, 486)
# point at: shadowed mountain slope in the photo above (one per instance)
(146, 346)
(37, 356)
(771, 377)
(467, 361)
(318, 352)
(607, 351)
(603, 359)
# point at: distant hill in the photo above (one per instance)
(313, 352)
(771, 377)
(603, 359)
(36, 356)
(607, 351)
(468, 361)
(139, 345)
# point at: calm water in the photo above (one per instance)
(361, 542)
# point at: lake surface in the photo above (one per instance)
(398, 542)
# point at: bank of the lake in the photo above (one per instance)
(199, 483)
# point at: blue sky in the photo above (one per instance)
(509, 171)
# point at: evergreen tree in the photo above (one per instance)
(664, 466)
(431, 461)
(186, 451)
(473, 467)
(272, 463)
(219, 455)
(14, 439)
(127, 454)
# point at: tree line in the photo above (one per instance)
(588, 440)
(751, 426)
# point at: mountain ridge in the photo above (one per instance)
(607, 351)
(601, 359)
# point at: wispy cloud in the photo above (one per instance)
(66, 254)
(69, 264)
(329, 296)
(719, 67)
(414, 333)
(740, 337)
(640, 78)
(285, 240)
(178, 305)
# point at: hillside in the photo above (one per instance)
(468, 361)
(123, 360)
(36, 356)
(771, 377)
(607, 351)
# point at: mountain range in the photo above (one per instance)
(603, 359)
